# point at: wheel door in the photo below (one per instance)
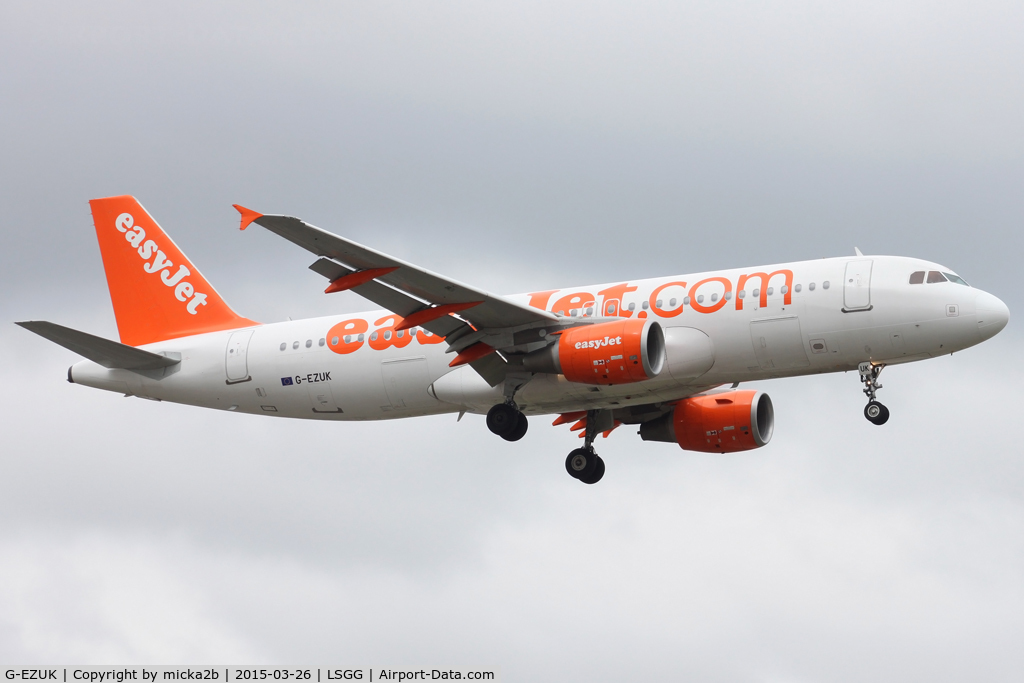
(236, 365)
(857, 286)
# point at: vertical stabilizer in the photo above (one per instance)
(156, 291)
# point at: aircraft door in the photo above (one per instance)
(857, 286)
(236, 364)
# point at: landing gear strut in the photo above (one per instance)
(583, 463)
(875, 412)
(507, 421)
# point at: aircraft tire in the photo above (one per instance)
(876, 413)
(598, 472)
(522, 424)
(502, 419)
(581, 463)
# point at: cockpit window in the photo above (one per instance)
(917, 278)
(956, 278)
(935, 276)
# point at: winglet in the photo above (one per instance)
(248, 215)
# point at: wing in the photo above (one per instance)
(464, 315)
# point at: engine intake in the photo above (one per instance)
(617, 352)
(716, 423)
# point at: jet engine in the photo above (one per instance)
(616, 352)
(716, 423)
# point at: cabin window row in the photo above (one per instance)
(700, 299)
(349, 338)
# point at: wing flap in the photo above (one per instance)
(493, 311)
(386, 297)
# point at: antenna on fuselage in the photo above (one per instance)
(856, 252)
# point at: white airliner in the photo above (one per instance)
(666, 353)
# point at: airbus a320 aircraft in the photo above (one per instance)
(666, 354)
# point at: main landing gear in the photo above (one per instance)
(583, 463)
(507, 421)
(875, 412)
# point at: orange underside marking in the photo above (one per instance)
(360, 277)
(248, 215)
(568, 417)
(428, 314)
(605, 433)
(470, 354)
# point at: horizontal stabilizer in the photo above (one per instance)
(109, 354)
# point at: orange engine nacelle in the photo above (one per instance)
(716, 423)
(617, 352)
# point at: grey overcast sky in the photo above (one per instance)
(516, 146)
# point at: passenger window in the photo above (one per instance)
(797, 288)
(658, 303)
(387, 335)
(309, 343)
(361, 337)
(757, 292)
(284, 346)
(956, 278)
(610, 310)
(742, 294)
(935, 276)
(784, 290)
(771, 290)
(644, 305)
(373, 337)
(686, 301)
(334, 340)
(714, 296)
(401, 333)
(825, 284)
(917, 278)
(672, 302)
(811, 286)
(322, 341)
(632, 306)
(728, 296)
(295, 345)
(700, 298)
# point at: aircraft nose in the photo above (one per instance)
(992, 315)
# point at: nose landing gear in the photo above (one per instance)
(875, 412)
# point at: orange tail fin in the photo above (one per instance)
(156, 291)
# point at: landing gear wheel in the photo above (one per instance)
(581, 463)
(519, 431)
(876, 413)
(598, 472)
(502, 419)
